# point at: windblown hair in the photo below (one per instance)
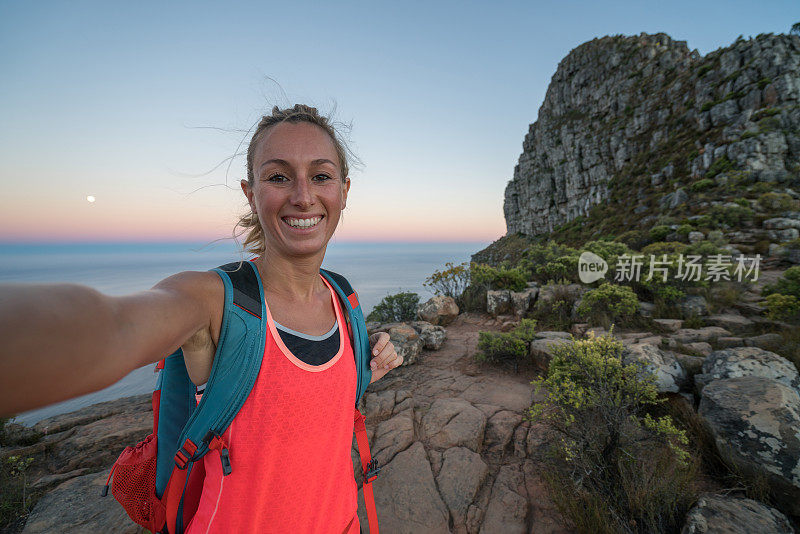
(254, 235)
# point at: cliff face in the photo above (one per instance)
(648, 112)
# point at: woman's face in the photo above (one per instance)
(297, 189)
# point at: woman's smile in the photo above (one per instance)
(303, 224)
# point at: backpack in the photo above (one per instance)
(159, 480)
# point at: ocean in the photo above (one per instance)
(374, 269)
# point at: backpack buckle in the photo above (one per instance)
(371, 472)
(185, 453)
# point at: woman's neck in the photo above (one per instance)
(295, 279)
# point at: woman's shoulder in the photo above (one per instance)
(201, 287)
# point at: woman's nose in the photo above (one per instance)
(301, 193)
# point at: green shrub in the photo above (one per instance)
(511, 347)
(702, 185)
(773, 201)
(769, 124)
(614, 467)
(563, 268)
(555, 311)
(659, 233)
(731, 215)
(722, 164)
(684, 230)
(16, 498)
(634, 239)
(395, 308)
(783, 307)
(788, 284)
(488, 277)
(452, 281)
(609, 303)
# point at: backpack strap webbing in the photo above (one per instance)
(234, 370)
(357, 328)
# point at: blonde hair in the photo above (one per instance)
(254, 235)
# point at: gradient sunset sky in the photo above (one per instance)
(136, 103)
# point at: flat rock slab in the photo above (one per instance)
(76, 506)
(453, 422)
(462, 473)
(514, 396)
(508, 507)
(406, 498)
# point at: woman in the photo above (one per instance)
(65, 340)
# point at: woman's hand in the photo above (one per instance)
(384, 357)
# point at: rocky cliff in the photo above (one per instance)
(628, 121)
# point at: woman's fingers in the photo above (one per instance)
(385, 356)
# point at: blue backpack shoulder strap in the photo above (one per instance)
(358, 329)
(237, 362)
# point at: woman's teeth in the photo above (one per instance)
(303, 223)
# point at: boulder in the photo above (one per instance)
(670, 325)
(439, 310)
(523, 301)
(432, 336)
(693, 335)
(769, 341)
(407, 343)
(541, 350)
(553, 334)
(498, 302)
(747, 361)
(734, 515)
(693, 305)
(669, 374)
(733, 322)
(453, 422)
(755, 422)
(462, 474)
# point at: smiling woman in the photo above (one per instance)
(314, 365)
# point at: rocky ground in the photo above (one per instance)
(457, 455)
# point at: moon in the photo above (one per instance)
(90, 198)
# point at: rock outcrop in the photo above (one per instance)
(648, 113)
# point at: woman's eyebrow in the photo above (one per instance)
(286, 163)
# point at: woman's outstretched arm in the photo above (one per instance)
(58, 341)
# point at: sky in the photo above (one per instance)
(145, 105)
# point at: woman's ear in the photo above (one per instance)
(248, 192)
(346, 189)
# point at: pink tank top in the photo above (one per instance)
(289, 448)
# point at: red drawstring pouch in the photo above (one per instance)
(134, 484)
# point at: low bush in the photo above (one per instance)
(659, 233)
(613, 467)
(783, 307)
(609, 303)
(486, 276)
(702, 185)
(719, 165)
(788, 284)
(451, 282)
(773, 201)
(634, 239)
(507, 347)
(395, 308)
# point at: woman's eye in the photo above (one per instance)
(323, 177)
(276, 178)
